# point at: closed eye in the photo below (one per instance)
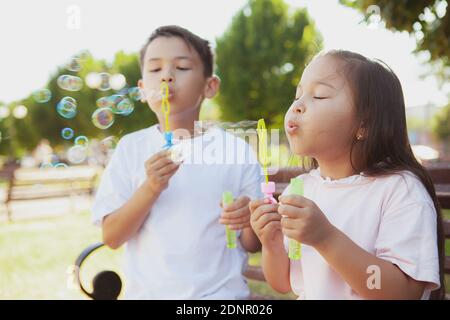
(320, 98)
(183, 69)
(155, 70)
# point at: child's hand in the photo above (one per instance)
(265, 221)
(303, 221)
(236, 215)
(159, 169)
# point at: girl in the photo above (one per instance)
(369, 221)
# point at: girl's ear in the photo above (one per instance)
(212, 86)
(361, 134)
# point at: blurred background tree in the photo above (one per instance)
(427, 20)
(260, 59)
(442, 127)
(42, 120)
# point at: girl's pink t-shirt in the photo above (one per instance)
(391, 217)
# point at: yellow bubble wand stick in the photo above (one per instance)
(165, 106)
(267, 187)
(227, 199)
(227, 196)
(295, 248)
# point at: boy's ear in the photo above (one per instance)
(140, 84)
(212, 86)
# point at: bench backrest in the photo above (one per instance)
(25, 182)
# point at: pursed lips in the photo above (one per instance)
(291, 127)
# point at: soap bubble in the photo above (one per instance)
(177, 153)
(46, 165)
(77, 154)
(81, 141)
(20, 112)
(74, 64)
(67, 133)
(69, 83)
(109, 143)
(67, 107)
(103, 102)
(114, 100)
(104, 81)
(117, 81)
(124, 107)
(83, 55)
(4, 112)
(103, 118)
(238, 128)
(93, 80)
(61, 166)
(42, 95)
(118, 103)
(135, 93)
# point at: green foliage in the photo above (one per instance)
(442, 124)
(260, 59)
(428, 20)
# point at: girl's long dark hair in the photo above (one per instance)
(385, 149)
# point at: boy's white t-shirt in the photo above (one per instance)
(391, 217)
(180, 251)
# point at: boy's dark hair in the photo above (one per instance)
(200, 45)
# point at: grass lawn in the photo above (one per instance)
(37, 255)
(36, 258)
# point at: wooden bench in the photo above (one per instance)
(26, 184)
(440, 176)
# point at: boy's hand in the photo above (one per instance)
(266, 222)
(303, 220)
(159, 169)
(237, 214)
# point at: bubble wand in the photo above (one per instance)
(165, 105)
(267, 187)
(296, 187)
(227, 199)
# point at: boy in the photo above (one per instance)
(169, 214)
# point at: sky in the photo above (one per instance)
(37, 36)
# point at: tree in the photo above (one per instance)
(42, 120)
(260, 59)
(428, 20)
(442, 125)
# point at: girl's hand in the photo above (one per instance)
(159, 169)
(236, 215)
(265, 221)
(303, 221)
